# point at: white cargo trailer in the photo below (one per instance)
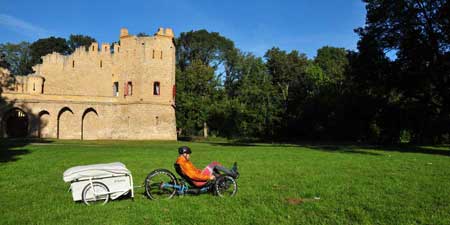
(98, 183)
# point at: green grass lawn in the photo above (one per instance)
(278, 184)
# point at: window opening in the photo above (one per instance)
(129, 88)
(156, 88)
(116, 89)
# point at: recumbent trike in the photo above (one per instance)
(161, 183)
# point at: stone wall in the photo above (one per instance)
(73, 97)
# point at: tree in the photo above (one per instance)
(417, 81)
(333, 62)
(76, 41)
(200, 57)
(288, 76)
(46, 46)
(3, 62)
(254, 109)
(195, 95)
(142, 34)
(259, 106)
(210, 48)
(18, 57)
(286, 69)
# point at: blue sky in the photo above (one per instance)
(254, 26)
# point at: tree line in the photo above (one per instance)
(340, 94)
(361, 95)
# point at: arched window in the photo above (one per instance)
(101, 63)
(73, 63)
(156, 88)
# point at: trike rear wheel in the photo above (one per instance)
(160, 184)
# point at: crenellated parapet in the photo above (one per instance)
(167, 32)
(124, 90)
(130, 46)
(137, 68)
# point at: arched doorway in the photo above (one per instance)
(89, 124)
(43, 129)
(67, 125)
(16, 123)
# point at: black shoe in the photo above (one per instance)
(234, 168)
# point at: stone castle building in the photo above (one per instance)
(122, 92)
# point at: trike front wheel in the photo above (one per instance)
(225, 186)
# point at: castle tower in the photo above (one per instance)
(127, 93)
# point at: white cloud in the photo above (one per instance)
(22, 27)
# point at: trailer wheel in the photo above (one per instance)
(100, 197)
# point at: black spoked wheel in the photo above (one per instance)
(225, 186)
(159, 184)
(95, 194)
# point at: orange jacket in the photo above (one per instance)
(190, 170)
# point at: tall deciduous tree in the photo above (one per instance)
(78, 40)
(18, 57)
(201, 57)
(210, 48)
(195, 95)
(418, 79)
(46, 46)
(333, 62)
(3, 62)
(254, 109)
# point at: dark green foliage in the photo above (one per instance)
(199, 55)
(333, 62)
(196, 90)
(412, 92)
(254, 108)
(210, 48)
(142, 34)
(76, 41)
(46, 46)
(3, 62)
(17, 57)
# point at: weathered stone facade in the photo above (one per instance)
(127, 92)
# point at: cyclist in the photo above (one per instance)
(200, 177)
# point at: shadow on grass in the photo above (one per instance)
(347, 147)
(432, 150)
(11, 149)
